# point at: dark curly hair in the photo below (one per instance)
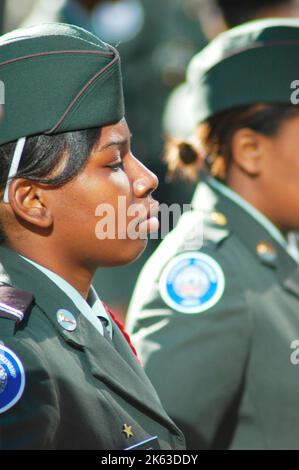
(211, 146)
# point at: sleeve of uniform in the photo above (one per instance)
(31, 422)
(196, 361)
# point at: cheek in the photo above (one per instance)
(106, 199)
(288, 171)
(115, 192)
(79, 206)
(284, 181)
(80, 215)
(119, 183)
(286, 155)
(283, 165)
(105, 189)
(109, 188)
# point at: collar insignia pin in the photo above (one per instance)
(266, 252)
(127, 430)
(66, 319)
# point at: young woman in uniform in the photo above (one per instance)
(69, 378)
(215, 312)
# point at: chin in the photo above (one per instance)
(123, 254)
(131, 252)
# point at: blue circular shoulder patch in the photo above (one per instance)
(12, 378)
(192, 282)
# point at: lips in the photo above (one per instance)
(153, 210)
(150, 223)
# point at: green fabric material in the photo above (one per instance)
(254, 62)
(225, 374)
(73, 81)
(80, 388)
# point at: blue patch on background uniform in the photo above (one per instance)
(192, 282)
(12, 378)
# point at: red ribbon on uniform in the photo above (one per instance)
(122, 329)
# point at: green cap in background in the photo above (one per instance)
(58, 78)
(252, 63)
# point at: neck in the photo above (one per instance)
(70, 269)
(287, 9)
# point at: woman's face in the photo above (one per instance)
(271, 177)
(102, 217)
(282, 178)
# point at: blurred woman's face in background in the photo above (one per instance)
(265, 170)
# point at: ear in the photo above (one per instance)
(28, 201)
(249, 150)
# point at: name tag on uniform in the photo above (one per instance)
(149, 444)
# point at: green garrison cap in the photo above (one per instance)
(57, 78)
(254, 62)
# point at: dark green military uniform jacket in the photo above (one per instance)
(227, 374)
(81, 391)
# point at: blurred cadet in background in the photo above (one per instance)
(215, 312)
(216, 16)
(235, 13)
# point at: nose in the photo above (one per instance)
(145, 181)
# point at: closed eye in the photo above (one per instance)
(116, 166)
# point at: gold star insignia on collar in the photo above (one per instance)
(128, 431)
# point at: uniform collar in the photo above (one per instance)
(19, 272)
(289, 244)
(250, 232)
(91, 309)
(250, 209)
(111, 363)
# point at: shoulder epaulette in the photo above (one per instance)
(197, 229)
(215, 228)
(14, 302)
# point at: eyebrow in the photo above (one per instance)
(118, 142)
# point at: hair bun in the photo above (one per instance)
(187, 153)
